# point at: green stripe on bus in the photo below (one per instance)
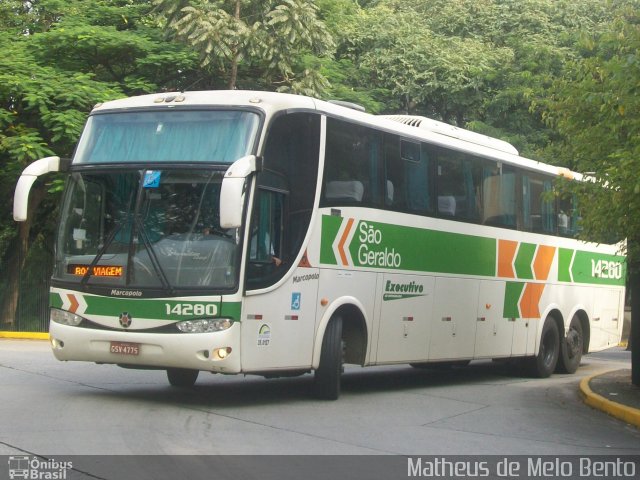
(232, 310)
(395, 247)
(512, 294)
(589, 267)
(599, 269)
(330, 226)
(153, 309)
(523, 261)
(382, 245)
(565, 255)
(55, 300)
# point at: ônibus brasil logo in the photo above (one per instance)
(36, 468)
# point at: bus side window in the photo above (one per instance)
(537, 204)
(352, 165)
(266, 228)
(284, 197)
(407, 176)
(458, 186)
(499, 196)
(567, 214)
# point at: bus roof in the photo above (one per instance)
(418, 128)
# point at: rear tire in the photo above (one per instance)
(182, 377)
(326, 385)
(571, 348)
(543, 364)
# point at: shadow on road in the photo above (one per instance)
(234, 391)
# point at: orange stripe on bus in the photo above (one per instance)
(343, 239)
(73, 308)
(531, 299)
(542, 262)
(506, 253)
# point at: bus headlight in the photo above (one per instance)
(204, 325)
(65, 318)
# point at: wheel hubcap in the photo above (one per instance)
(574, 343)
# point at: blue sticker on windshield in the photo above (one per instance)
(151, 179)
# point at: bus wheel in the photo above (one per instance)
(571, 348)
(326, 384)
(182, 377)
(543, 364)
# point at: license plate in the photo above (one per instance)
(125, 348)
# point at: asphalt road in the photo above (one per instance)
(54, 408)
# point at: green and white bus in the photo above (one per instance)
(272, 234)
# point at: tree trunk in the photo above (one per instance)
(233, 79)
(234, 72)
(9, 305)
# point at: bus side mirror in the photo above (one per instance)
(28, 177)
(233, 190)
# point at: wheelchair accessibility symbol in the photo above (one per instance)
(295, 300)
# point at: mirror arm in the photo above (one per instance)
(29, 175)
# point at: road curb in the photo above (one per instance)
(622, 412)
(25, 335)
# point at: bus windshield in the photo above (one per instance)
(146, 228)
(220, 136)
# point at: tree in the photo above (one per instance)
(425, 71)
(59, 59)
(41, 112)
(597, 110)
(271, 40)
(480, 64)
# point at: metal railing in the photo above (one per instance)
(31, 291)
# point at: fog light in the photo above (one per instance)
(204, 325)
(221, 353)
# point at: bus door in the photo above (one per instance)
(278, 323)
(279, 315)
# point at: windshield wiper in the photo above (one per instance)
(100, 253)
(152, 256)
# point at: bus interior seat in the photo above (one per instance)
(388, 200)
(447, 205)
(350, 190)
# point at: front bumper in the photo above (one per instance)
(163, 350)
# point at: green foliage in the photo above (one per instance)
(273, 40)
(556, 78)
(481, 64)
(59, 59)
(596, 107)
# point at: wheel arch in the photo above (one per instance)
(355, 330)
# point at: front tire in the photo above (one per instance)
(182, 377)
(571, 348)
(543, 364)
(326, 384)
